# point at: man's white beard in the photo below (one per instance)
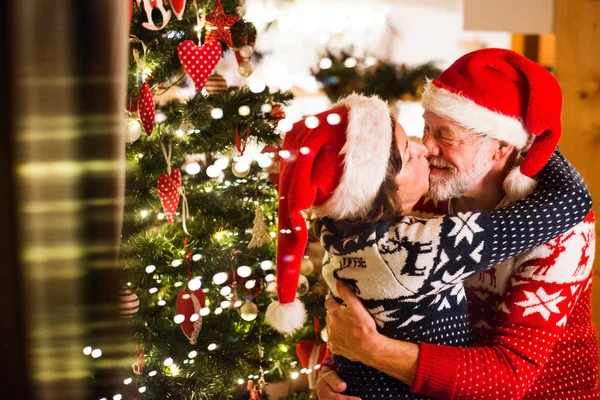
(456, 184)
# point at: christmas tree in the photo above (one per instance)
(201, 210)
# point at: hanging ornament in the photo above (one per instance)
(218, 25)
(189, 305)
(303, 286)
(276, 114)
(169, 192)
(306, 267)
(246, 51)
(133, 130)
(249, 311)
(241, 166)
(309, 354)
(129, 303)
(246, 68)
(199, 61)
(178, 7)
(146, 108)
(216, 84)
(140, 362)
(260, 230)
(149, 5)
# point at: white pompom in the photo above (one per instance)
(518, 186)
(286, 318)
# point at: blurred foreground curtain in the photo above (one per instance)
(61, 196)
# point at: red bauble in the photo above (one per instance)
(129, 303)
(169, 193)
(189, 304)
(178, 7)
(310, 354)
(146, 108)
(199, 62)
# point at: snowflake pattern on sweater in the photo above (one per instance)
(409, 273)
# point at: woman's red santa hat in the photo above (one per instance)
(334, 162)
(503, 95)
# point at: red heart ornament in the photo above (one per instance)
(178, 7)
(169, 192)
(199, 62)
(146, 108)
(189, 305)
(310, 354)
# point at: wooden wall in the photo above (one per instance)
(577, 67)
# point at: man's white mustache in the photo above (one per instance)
(440, 163)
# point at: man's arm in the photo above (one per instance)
(531, 317)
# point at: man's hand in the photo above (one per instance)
(351, 329)
(329, 386)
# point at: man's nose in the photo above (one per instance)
(431, 145)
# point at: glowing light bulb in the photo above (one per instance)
(244, 111)
(142, 389)
(197, 257)
(266, 108)
(194, 317)
(212, 347)
(222, 163)
(225, 290)
(220, 278)
(216, 113)
(152, 373)
(264, 162)
(179, 318)
(270, 278)
(128, 381)
(295, 375)
(176, 263)
(240, 381)
(334, 119)
(194, 284)
(311, 122)
(250, 284)
(350, 62)
(204, 311)
(97, 353)
(153, 290)
(87, 350)
(162, 303)
(244, 271)
(285, 125)
(325, 63)
(225, 304)
(192, 354)
(144, 213)
(213, 171)
(284, 154)
(168, 362)
(257, 86)
(193, 168)
(150, 268)
(266, 265)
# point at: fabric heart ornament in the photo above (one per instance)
(146, 108)
(178, 7)
(199, 62)
(189, 305)
(310, 354)
(169, 192)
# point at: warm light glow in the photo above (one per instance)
(87, 350)
(152, 373)
(225, 304)
(117, 397)
(244, 271)
(238, 303)
(218, 310)
(162, 303)
(194, 284)
(176, 263)
(325, 63)
(225, 291)
(240, 381)
(213, 171)
(142, 389)
(350, 62)
(192, 354)
(295, 375)
(216, 113)
(284, 154)
(212, 346)
(370, 61)
(266, 265)
(179, 318)
(160, 216)
(193, 168)
(304, 150)
(257, 86)
(194, 317)
(285, 125)
(168, 361)
(270, 278)
(204, 311)
(264, 161)
(144, 213)
(178, 284)
(250, 284)
(266, 108)
(244, 111)
(150, 268)
(311, 122)
(97, 353)
(222, 163)
(179, 132)
(220, 278)
(334, 119)
(153, 290)
(197, 257)
(128, 381)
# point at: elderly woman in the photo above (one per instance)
(359, 172)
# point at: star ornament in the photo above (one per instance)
(218, 25)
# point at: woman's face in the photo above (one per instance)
(413, 179)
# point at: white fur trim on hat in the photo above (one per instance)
(366, 155)
(474, 117)
(517, 186)
(286, 317)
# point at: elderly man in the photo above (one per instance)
(532, 317)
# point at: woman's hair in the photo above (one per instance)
(386, 206)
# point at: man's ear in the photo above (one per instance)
(503, 151)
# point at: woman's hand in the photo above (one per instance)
(329, 386)
(351, 329)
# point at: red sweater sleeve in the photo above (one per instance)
(531, 317)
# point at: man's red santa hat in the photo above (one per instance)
(503, 95)
(334, 162)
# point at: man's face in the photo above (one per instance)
(458, 158)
